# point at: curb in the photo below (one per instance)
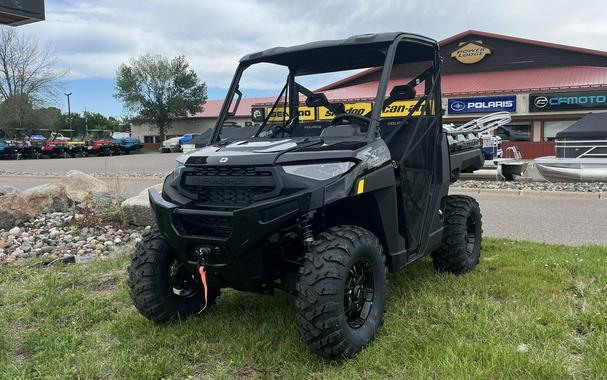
(538, 193)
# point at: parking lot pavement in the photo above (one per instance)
(563, 218)
(128, 165)
(125, 187)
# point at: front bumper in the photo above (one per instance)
(238, 257)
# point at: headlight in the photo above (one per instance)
(319, 172)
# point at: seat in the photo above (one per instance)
(341, 131)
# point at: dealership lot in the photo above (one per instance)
(579, 219)
(134, 165)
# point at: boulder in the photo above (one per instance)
(47, 198)
(79, 185)
(7, 189)
(137, 209)
(101, 203)
(14, 210)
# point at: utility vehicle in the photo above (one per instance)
(321, 208)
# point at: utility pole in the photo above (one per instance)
(69, 111)
(86, 121)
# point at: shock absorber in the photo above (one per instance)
(305, 228)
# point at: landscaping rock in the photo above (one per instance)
(79, 185)
(137, 209)
(14, 210)
(101, 203)
(49, 197)
(15, 232)
(6, 189)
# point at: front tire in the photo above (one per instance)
(159, 285)
(342, 291)
(460, 250)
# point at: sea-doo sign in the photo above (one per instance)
(482, 105)
(568, 101)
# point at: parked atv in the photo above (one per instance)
(127, 145)
(8, 149)
(323, 209)
(101, 147)
(77, 148)
(56, 146)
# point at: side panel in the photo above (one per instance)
(373, 205)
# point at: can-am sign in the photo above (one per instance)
(568, 101)
(482, 105)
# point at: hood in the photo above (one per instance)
(269, 152)
(171, 141)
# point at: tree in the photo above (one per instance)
(29, 76)
(156, 88)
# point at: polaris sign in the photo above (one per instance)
(568, 101)
(482, 105)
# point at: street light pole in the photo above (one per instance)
(69, 110)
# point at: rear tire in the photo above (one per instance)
(462, 237)
(342, 291)
(160, 287)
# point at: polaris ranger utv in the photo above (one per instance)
(322, 202)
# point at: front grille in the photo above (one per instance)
(215, 226)
(235, 186)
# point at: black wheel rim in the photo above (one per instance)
(359, 293)
(470, 234)
(181, 283)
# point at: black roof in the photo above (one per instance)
(591, 126)
(361, 51)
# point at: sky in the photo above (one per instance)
(92, 38)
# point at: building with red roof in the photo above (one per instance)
(545, 86)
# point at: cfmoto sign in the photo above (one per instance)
(568, 101)
(541, 102)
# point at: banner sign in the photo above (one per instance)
(258, 114)
(402, 108)
(356, 108)
(482, 105)
(568, 101)
(396, 109)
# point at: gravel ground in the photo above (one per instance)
(56, 236)
(584, 187)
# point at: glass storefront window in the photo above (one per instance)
(551, 128)
(514, 132)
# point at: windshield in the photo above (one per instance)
(307, 102)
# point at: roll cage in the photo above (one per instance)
(381, 51)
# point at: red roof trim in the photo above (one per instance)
(523, 41)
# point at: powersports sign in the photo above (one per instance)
(482, 105)
(568, 101)
(396, 109)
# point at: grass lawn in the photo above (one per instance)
(528, 311)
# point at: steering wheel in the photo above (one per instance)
(359, 120)
(286, 129)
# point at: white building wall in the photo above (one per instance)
(178, 127)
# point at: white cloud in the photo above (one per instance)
(94, 37)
